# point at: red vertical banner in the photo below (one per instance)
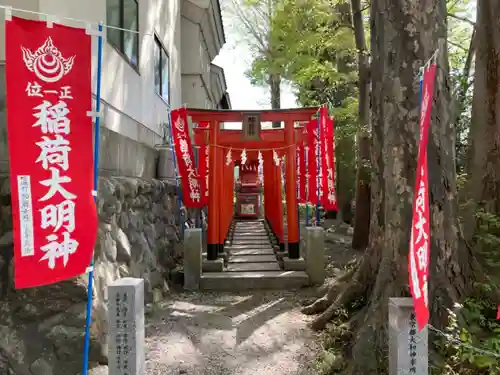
(203, 163)
(312, 164)
(48, 76)
(190, 180)
(328, 198)
(419, 254)
(301, 173)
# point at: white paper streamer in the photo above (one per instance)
(243, 157)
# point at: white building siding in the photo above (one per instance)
(130, 100)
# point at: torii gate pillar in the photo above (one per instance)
(214, 179)
(292, 214)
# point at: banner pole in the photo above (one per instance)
(96, 183)
(318, 171)
(306, 156)
(177, 177)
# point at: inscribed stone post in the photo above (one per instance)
(192, 258)
(315, 255)
(408, 348)
(126, 327)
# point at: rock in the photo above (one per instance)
(122, 246)
(6, 239)
(41, 367)
(101, 370)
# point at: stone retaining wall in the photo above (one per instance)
(42, 329)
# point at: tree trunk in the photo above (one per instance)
(403, 35)
(275, 88)
(362, 217)
(484, 153)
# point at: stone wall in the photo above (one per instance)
(42, 329)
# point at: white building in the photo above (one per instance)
(166, 62)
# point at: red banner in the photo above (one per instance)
(328, 196)
(312, 161)
(301, 173)
(190, 180)
(203, 162)
(48, 75)
(418, 259)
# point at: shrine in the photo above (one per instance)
(250, 148)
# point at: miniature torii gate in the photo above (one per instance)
(253, 139)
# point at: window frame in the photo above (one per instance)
(158, 44)
(121, 47)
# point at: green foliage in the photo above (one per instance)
(487, 238)
(472, 339)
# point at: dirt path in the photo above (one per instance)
(252, 333)
(227, 334)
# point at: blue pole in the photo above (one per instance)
(196, 162)
(96, 183)
(306, 155)
(318, 161)
(177, 181)
(297, 192)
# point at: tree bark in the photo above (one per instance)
(484, 152)
(404, 35)
(362, 216)
(275, 89)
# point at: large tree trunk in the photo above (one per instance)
(403, 35)
(484, 152)
(362, 217)
(275, 88)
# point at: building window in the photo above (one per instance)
(124, 14)
(162, 65)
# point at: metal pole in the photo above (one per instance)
(197, 163)
(88, 317)
(318, 161)
(177, 177)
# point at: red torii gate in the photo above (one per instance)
(251, 138)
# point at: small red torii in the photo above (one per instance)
(252, 139)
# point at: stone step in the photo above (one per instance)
(250, 238)
(240, 281)
(262, 245)
(241, 252)
(254, 258)
(249, 231)
(253, 267)
(252, 225)
(252, 245)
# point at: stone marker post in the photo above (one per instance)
(315, 255)
(408, 350)
(192, 258)
(126, 327)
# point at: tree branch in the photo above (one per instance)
(463, 19)
(458, 46)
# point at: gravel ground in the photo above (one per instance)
(228, 334)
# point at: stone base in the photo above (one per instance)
(294, 264)
(225, 257)
(213, 265)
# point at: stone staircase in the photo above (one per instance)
(251, 262)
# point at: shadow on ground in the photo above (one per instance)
(228, 334)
